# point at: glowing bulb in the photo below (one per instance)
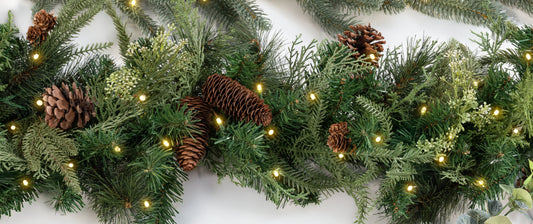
(378, 139)
(476, 83)
(312, 96)
(481, 183)
(275, 173)
(271, 132)
(39, 103)
(166, 143)
(13, 127)
(142, 98)
(35, 56)
(146, 204)
(219, 121)
(117, 148)
(341, 155)
(71, 165)
(450, 136)
(410, 188)
(515, 130)
(528, 56)
(25, 183)
(423, 110)
(133, 2)
(441, 159)
(372, 57)
(496, 112)
(259, 88)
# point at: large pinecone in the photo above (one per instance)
(193, 149)
(65, 107)
(236, 100)
(43, 22)
(363, 40)
(337, 140)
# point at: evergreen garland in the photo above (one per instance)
(438, 125)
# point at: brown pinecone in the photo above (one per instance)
(43, 23)
(364, 40)
(236, 100)
(336, 139)
(65, 107)
(193, 149)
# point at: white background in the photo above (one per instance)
(207, 201)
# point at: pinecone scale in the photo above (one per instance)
(66, 107)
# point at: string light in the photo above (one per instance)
(271, 132)
(275, 173)
(146, 204)
(39, 102)
(13, 127)
(259, 88)
(515, 130)
(165, 143)
(410, 188)
(441, 158)
(450, 136)
(133, 2)
(25, 183)
(71, 165)
(378, 139)
(480, 182)
(117, 149)
(341, 155)
(142, 98)
(219, 121)
(496, 112)
(475, 83)
(372, 57)
(312, 96)
(35, 56)
(423, 110)
(528, 57)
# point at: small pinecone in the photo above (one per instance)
(364, 39)
(65, 107)
(236, 100)
(43, 23)
(336, 139)
(193, 149)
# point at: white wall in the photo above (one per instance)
(206, 200)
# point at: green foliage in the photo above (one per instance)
(48, 150)
(229, 12)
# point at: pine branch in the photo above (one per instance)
(376, 110)
(123, 37)
(477, 12)
(524, 5)
(47, 148)
(327, 16)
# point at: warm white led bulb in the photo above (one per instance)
(13, 127)
(275, 173)
(341, 155)
(271, 132)
(142, 98)
(219, 121)
(25, 182)
(496, 112)
(259, 88)
(71, 165)
(312, 96)
(372, 57)
(378, 139)
(146, 204)
(441, 159)
(35, 56)
(410, 188)
(423, 110)
(166, 143)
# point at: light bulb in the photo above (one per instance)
(142, 98)
(372, 57)
(133, 2)
(275, 173)
(450, 136)
(146, 204)
(481, 183)
(496, 112)
(13, 127)
(166, 143)
(117, 148)
(528, 56)
(378, 139)
(312, 96)
(441, 159)
(515, 130)
(39, 102)
(259, 88)
(423, 110)
(35, 56)
(71, 165)
(219, 121)
(25, 183)
(475, 83)
(410, 188)
(271, 132)
(341, 155)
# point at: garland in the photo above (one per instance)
(438, 125)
